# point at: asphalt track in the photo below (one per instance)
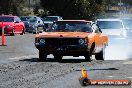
(19, 67)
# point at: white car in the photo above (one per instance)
(113, 27)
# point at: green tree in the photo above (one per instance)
(11, 6)
(74, 9)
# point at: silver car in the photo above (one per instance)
(114, 27)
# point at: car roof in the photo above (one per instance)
(72, 20)
(25, 16)
(109, 19)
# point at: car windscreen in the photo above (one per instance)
(110, 24)
(127, 23)
(50, 19)
(33, 20)
(71, 27)
(7, 19)
(24, 18)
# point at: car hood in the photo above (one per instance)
(63, 35)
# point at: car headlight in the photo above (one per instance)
(42, 41)
(81, 41)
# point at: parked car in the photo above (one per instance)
(25, 18)
(48, 20)
(74, 38)
(12, 25)
(128, 25)
(112, 27)
(33, 24)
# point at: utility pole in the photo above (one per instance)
(29, 5)
(120, 9)
(120, 4)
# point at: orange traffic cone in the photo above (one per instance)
(84, 80)
(3, 36)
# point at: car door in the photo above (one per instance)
(21, 25)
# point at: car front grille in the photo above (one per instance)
(61, 41)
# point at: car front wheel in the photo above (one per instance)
(42, 56)
(23, 32)
(58, 57)
(100, 55)
(13, 32)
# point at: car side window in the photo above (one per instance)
(96, 29)
(17, 19)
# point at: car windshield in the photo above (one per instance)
(33, 20)
(50, 18)
(127, 23)
(7, 19)
(71, 27)
(110, 24)
(24, 18)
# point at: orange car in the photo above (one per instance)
(72, 38)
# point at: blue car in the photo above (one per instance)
(33, 24)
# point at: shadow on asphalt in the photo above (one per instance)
(100, 69)
(3, 45)
(53, 60)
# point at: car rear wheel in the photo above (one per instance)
(13, 32)
(42, 56)
(23, 32)
(58, 57)
(100, 55)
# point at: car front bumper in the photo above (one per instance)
(62, 49)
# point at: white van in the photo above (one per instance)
(112, 27)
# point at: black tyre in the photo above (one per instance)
(100, 55)
(58, 57)
(84, 81)
(23, 32)
(87, 57)
(13, 32)
(42, 56)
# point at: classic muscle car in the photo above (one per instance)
(72, 38)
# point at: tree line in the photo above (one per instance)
(74, 9)
(68, 9)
